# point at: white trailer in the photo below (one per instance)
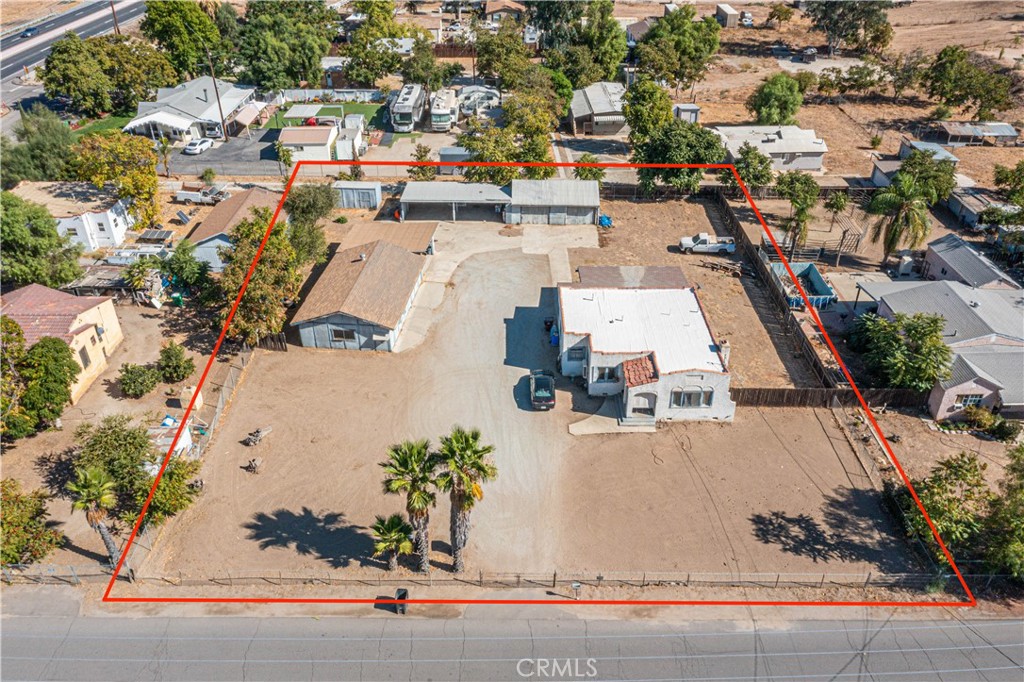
(407, 108)
(444, 111)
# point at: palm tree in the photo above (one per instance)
(94, 493)
(163, 148)
(465, 465)
(393, 536)
(410, 470)
(903, 207)
(796, 226)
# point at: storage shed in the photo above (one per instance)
(453, 155)
(963, 133)
(687, 112)
(727, 16)
(352, 194)
(554, 202)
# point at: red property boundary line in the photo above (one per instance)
(971, 601)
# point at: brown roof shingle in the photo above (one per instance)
(376, 288)
(41, 311)
(639, 371)
(414, 237)
(232, 211)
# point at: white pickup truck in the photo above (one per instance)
(201, 194)
(707, 243)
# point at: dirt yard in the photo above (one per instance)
(682, 498)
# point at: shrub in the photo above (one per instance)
(806, 80)
(876, 141)
(137, 380)
(1005, 430)
(941, 113)
(26, 532)
(341, 220)
(979, 417)
(208, 176)
(174, 366)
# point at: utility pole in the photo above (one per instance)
(117, 28)
(216, 91)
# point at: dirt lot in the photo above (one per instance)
(647, 233)
(559, 503)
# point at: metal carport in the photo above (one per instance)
(454, 194)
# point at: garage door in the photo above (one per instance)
(534, 215)
(581, 215)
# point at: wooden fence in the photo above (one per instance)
(825, 397)
(274, 342)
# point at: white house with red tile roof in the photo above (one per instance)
(651, 346)
(88, 324)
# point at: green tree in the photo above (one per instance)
(802, 192)
(43, 151)
(578, 64)
(658, 60)
(421, 154)
(847, 22)
(903, 210)
(754, 168)
(779, 14)
(422, 67)
(127, 164)
(1004, 536)
(562, 87)
(836, 204)
(261, 311)
(174, 365)
(559, 22)
(393, 537)
(71, 70)
(184, 268)
(284, 157)
(370, 62)
(282, 43)
(776, 101)
(677, 142)
(647, 108)
(1011, 182)
(33, 252)
(25, 533)
(183, 30)
(164, 149)
(693, 42)
(503, 55)
(581, 173)
(465, 465)
(15, 421)
(938, 178)
(94, 493)
(956, 498)
(137, 380)
(904, 71)
(488, 143)
(411, 470)
(226, 19)
(605, 38)
(48, 370)
(139, 275)
(307, 206)
(956, 81)
(529, 115)
(905, 352)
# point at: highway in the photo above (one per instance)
(91, 19)
(485, 646)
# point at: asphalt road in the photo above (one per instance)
(101, 22)
(488, 647)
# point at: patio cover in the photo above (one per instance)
(163, 118)
(249, 113)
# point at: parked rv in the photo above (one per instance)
(407, 108)
(444, 111)
(196, 193)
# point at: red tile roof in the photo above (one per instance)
(41, 311)
(639, 371)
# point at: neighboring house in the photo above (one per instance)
(399, 46)
(651, 347)
(597, 109)
(554, 202)
(87, 324)
(884, 170)
(789, 147)
(310, 143)
(361, 299)
(951, 258)
(968, 203)
(496, 10)
(938, 152)
(211, 235)
(92, 217)
(413, 237)
(636, 32)
(984, 329)
(190, 110)
(334, 71)
(962, 133)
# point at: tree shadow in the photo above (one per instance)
(57, 470)
(200, 328)
(327, 536)
(87, 553)
(855, 527)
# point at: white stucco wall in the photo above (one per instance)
(98, 230)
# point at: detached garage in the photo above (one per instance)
(554, 202)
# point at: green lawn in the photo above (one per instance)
(374, 113)
(100, 125)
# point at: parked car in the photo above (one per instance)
(29, 32)
(197, 146)
(201, 194)
(809, 55)
(542, 390)
(707, 243)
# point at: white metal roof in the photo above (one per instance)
(666, 322)
(303, 111)
(453, 192)
(197, 100)
(772, 139)
(556, 193)
(164, 118)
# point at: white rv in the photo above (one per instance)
(444, 111)
(407, 108)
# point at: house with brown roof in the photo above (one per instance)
(88, 324)
(496, 10)
(361, 299)
(211, 235)
(412, 236)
